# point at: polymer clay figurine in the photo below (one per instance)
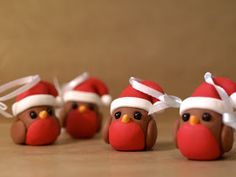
(83, 96)
(208, 119)
(132, 126)
(36, 123)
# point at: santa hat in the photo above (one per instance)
(146, 95)
(86, 89)
(208, 95)
(43, 93)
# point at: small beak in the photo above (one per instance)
(125, 118)
(194, 120)
(43, 114)
(82, 108)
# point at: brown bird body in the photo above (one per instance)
(36, 126)
(201, 135)
(81, 119)
(130, 129)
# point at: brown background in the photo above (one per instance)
(171, 42)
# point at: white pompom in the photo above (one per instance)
(233, 99)
(229, 119)
(59, 101)
(106, 99)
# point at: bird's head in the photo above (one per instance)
(127, 115)
(83, 107)
(201, 117)
(37, 113)
(42, 112)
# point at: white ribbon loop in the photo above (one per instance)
(3, 107)
(172, 101)
(27, 83)
(68, 86)
(166, 101)
(135, 83)
(158, 107)
(229, 117)
(59, 98)
(57, 86)
(73, 83)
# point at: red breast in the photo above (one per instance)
(197, 142)
(82, 125)
(126, 136)
(43, 132)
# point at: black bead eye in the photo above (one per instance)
(50, 111)
(33, 114)
(137, 115)
(74, 105)
(185, 117)
(117, 115)
(91, 107)
(206, 117)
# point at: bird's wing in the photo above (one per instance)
(227, 138)
(18, 132)
(175, 130)
(151, 134)
(99, 121)
(105, 131)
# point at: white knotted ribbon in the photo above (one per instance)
(166, 101)
(75, 82)
(68, 86)
(229, 116)
(27, 83)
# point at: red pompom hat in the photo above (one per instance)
(206, 96)
(86, 89)
(43, 93)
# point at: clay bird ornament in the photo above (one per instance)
(208, 119)
(131, 126)
(83, 97)
(36, 123)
